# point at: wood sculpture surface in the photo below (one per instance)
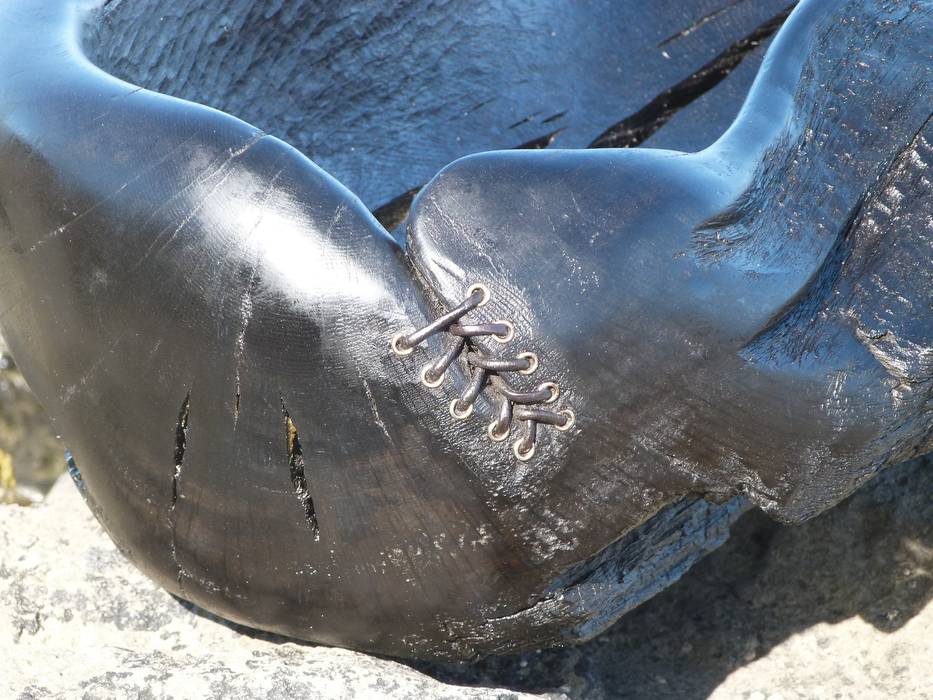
(206, 315)
(382, 95)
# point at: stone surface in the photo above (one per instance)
(30, 452)
(838, 608)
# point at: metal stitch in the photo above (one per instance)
(511, 403)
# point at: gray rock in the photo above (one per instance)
(836, 608)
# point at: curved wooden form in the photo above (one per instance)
(206, 315)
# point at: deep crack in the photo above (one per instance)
(638, 127)
(296, 467)
(181, 443)
(393, 212)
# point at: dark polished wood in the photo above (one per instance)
(206, 314)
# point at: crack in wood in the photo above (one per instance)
(636, 128)
(296, 468)
(181, 444)
(393, 213)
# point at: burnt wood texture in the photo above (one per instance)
(206, 314)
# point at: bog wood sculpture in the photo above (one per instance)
(553, 387)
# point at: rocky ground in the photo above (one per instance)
(837, 608)
(30, 453)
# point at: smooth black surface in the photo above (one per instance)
(206, 315)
